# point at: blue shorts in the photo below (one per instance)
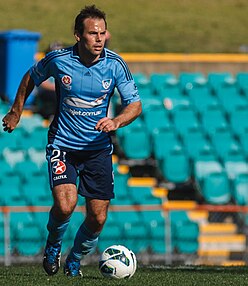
(93, 169)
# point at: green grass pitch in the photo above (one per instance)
(33, 275)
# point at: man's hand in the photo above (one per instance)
(10, 121)
(106, 125)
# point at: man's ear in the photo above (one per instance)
(77, 36)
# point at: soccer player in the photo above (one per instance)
(78, 138)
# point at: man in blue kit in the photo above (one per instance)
(78, 138)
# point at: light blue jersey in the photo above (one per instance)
(83, 95)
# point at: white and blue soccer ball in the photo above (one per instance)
(117, 262)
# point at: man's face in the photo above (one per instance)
(94, 36)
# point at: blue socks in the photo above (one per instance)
(56, 229)
(85, 242)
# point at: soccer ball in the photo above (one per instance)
(117, 262)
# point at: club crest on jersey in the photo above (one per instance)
(59, 167)
(106, 83)
(66, 81)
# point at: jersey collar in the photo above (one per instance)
(75, 53)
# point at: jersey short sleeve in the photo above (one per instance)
(124, 82)
(40, 71)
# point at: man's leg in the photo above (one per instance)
(87, 236)
(65, 200)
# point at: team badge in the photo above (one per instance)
(106, 83)
(59, 167)
(66, 80)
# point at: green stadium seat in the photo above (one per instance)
(185, 118)
(136, 144)
(156, 119)
(26, 169)
(242, 81)
(238, 121)
(219, 79)
(142, 195)
(29, 123)
(173, 98)
(28, 240)
(212, 119)
(202, 98)
(224, 142)
(13, 156)
(231, 99)
(243, 139)
(36, 139)
(6, 168)
(10, 194)
(203, 167)
(189, 80)
(194, 142)
(38, 156)
(235, 166)
(175, 167)
(164, 141)
(146, 92)
(216, 188)
(37, 194)
(141, 79)
(240, 189)
(161, 80)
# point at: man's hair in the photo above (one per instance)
(88, 12)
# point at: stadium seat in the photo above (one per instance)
(185, 118)
(189, 80)
(36, 139)
(31, 122)
(11, 140)
(216, 188)
(242, 81)
(136, 144)
(142, 195)
(146, 92)
(202, 98)
(13, 155)
(212, 119)
(173, 98)
(26, 169)
(231, 99)
(243, 139)
(164, 140)
(10, 194)
(238, 120)
(156, 119)
(219, 79)
(28, 240)
(203, 167)
(194, 142)
(161, 80)
(240, 189)
(224, 142)
(175, 166)
(6, 168)
(235, 163)
(141, 79)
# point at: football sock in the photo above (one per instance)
(85, 242)
(56, 229)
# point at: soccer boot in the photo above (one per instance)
(72, 268)
(51, 259)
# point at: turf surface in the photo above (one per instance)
(33, 275)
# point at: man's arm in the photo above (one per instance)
(126, 116)
(12, 118)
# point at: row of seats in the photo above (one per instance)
(140, 231)
(187, 80)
